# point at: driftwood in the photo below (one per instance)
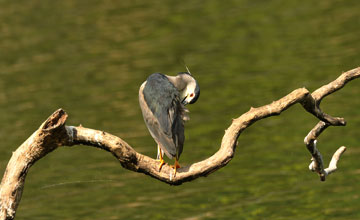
(53, 133)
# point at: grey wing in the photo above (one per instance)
(177, 127)
(164, 117)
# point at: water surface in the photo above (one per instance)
(90, 57)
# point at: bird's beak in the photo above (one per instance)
(184, 102)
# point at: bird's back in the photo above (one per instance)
(159, 93)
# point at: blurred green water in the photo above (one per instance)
(90, 57)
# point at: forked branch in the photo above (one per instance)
(54, 133)
(317, 164)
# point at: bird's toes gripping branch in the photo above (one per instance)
(175, 166)
(162, 162)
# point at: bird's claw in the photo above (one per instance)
(162, 162)
(175, 166)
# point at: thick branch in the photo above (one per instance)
(53, 133)
(48, 137)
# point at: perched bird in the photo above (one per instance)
(162, 101)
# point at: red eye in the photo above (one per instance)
(192, 94)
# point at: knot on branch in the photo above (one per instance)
(55, 120)
(312, 105)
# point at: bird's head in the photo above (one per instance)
(191, 92)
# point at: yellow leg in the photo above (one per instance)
(175, 166)
(161, 160)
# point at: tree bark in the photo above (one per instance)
(54, 133)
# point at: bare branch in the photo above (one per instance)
(47, 138)
(317, 164)
(310, 140)
(335, 85)
(335, 158)
(53, 133)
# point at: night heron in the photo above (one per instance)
(162, 100)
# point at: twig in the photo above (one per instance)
(317, 164)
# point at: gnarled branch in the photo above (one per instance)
(54, 133)
(317, 164)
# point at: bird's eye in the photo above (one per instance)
(192, 95)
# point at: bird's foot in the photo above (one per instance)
(175, 166)
(162, 162)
